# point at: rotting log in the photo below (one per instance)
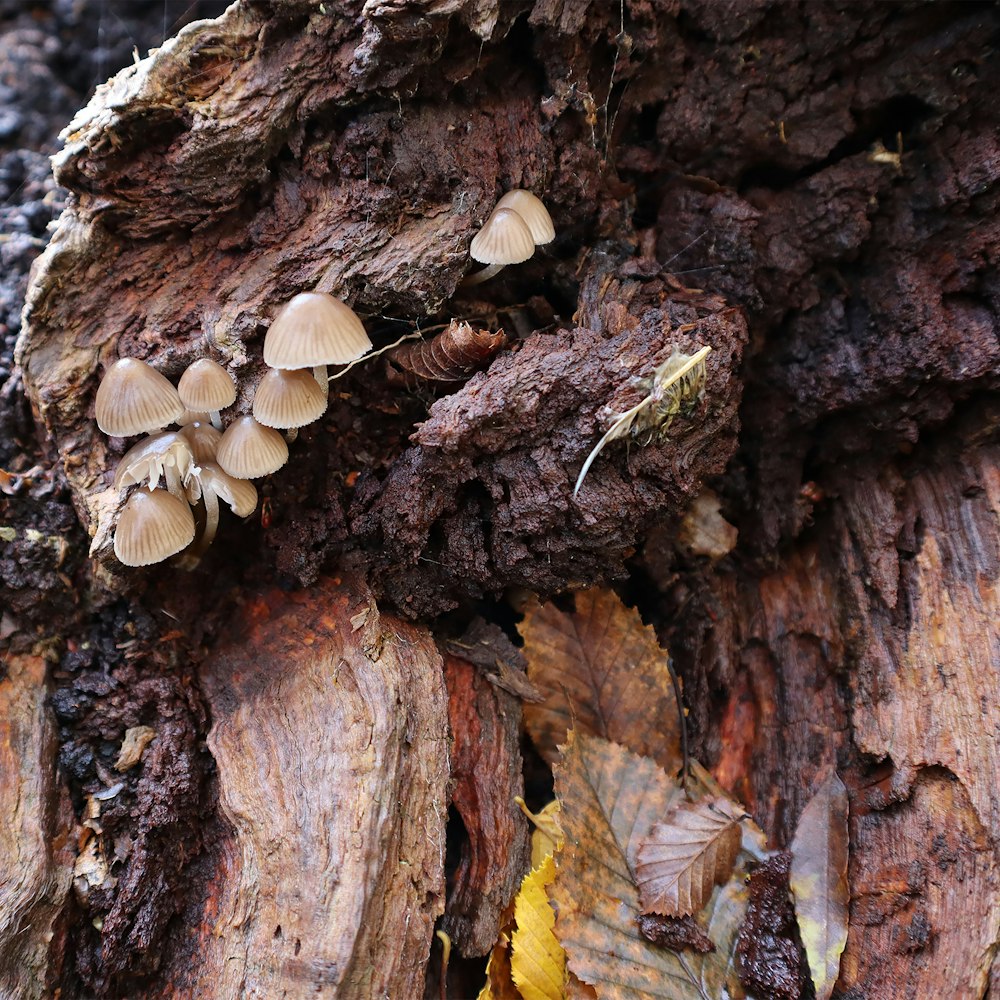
(36, 836)
(330, 736)
(834, 167)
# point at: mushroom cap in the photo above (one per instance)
(238, 493)
(248, 450)
(203, 439)
(315, 329)
(146, 459)
(153, 526)
(534, 213)
(134, 398)
(193, 416)
(206, 386)
(286, 399)
(504, 239)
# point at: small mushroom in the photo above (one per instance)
(203, 439)
(288, 400)
(238, 493)
(167, 454)
(153, 526)
(534, 213)
(314, 330)
(134, 398)
(248, 450)
(504, 239)
(206, 386)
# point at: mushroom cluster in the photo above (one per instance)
(518, 224)
(198, 461)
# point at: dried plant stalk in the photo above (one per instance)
(674, 387)
(452, 356)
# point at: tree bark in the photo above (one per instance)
(828, 179)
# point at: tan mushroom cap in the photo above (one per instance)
(153, 526)
(206, 386)
(193, 416)
(238, 493)
(288, 399)
(203, 439)
(504, 239)
(248, 450)
(147, 459)
(134, 398)
(315, 329)
(534, 213)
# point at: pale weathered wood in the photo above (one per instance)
(330, 734)
(36, 845)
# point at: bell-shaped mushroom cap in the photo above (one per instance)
(206, 386)
(134, 398)
(153, 526)
(148, 457)
(315, 329)
(287, 399)
(248, 450)
(203, 439)
(238, 493)
(534, 213)
(504, 239)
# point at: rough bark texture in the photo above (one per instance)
(487, 774)
(831, 176)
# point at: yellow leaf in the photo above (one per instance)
(547, 837)
(538, 962)
(499, 985)
(601, 672)
(818, 880)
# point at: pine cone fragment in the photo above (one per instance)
(454, 355)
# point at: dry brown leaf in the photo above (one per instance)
(819, 881)
(602, 672)
(686, 855)
(610, 799)
(499, 983)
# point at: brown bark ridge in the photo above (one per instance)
(330, 735)
(36, 836)
(486, 772)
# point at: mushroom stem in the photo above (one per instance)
(211, 518)
(291, 434)
(319, 373)
(484, 275)
(216, 420)
(174, 481)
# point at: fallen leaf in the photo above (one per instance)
(686, 855)
(547, 837)
(676, 933)
(499, 984)
(819, 881)
(601, 672)
(610, 799)
(537, 960)
(768, 955)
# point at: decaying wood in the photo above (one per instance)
(330, 734)
(487, 775)
(36, 836)
(829, 172)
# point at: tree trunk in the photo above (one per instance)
(215, 787)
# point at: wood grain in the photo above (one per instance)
(330, 736)
(36, 849)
